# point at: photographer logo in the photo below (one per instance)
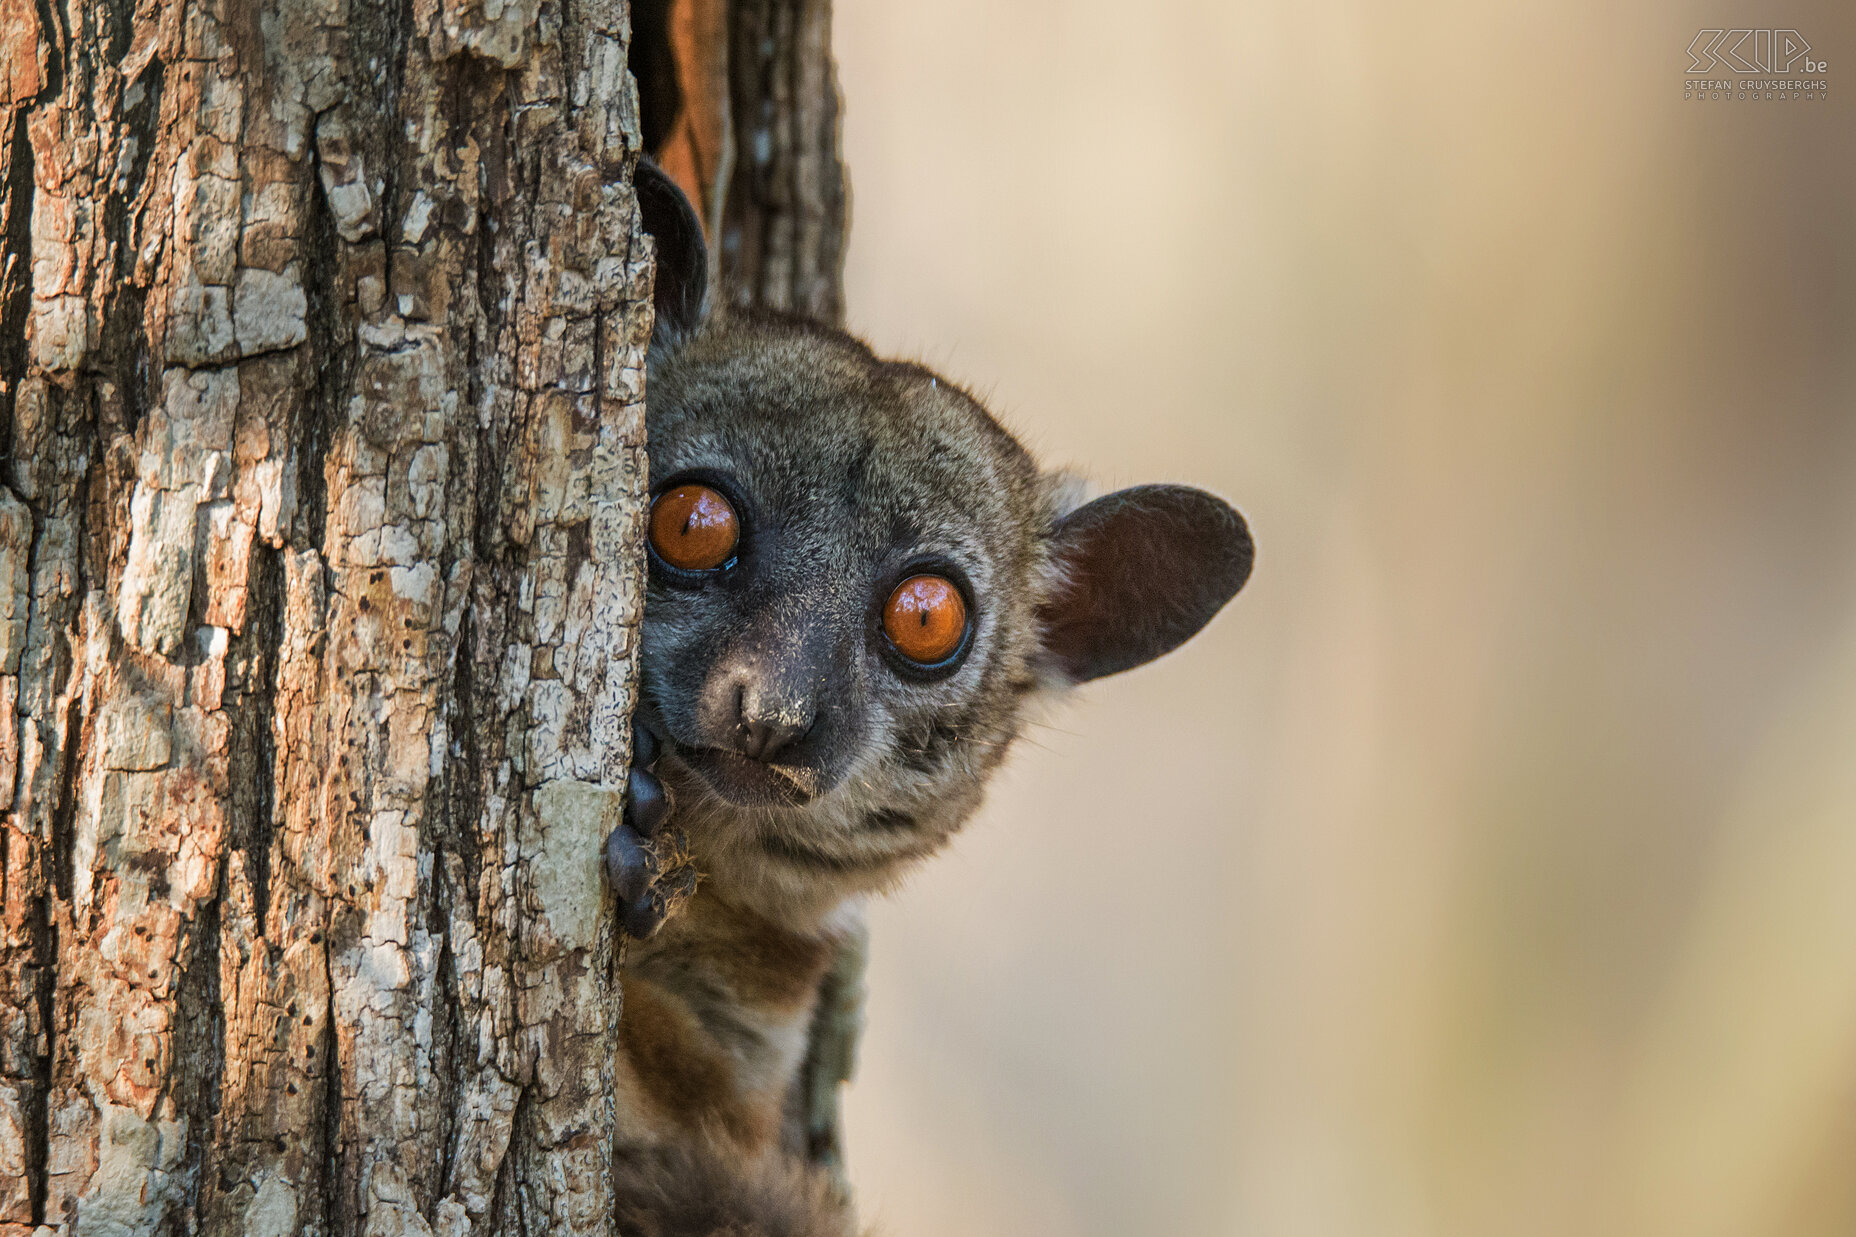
(1748, 66)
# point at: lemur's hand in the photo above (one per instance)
(647, 861)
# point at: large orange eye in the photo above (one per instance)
(926, 619)
(693, 527)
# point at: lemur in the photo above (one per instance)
(858, 583)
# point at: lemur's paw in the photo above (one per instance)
(652, 876)
(647, 863)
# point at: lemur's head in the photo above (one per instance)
(857, 577)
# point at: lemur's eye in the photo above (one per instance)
(925, 619)
(693, 527)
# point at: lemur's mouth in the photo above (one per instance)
(735, 779)
(751, 783)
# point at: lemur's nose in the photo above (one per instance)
(764, 725)
(758, 704)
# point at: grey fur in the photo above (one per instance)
(850, 472)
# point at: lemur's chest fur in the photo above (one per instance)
(858, 580)
(717, 1009)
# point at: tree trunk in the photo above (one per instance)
(741, 107)
(323, 340)
(785, 208)
(322, 328)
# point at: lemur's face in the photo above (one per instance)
(856, 577)
(846, 560)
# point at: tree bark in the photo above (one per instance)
(322, 328)
(322, 348)
(786, 206)
(741, 108)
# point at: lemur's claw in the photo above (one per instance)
(628, 864)
(646, 804)
(647, 865)
(644, 747)
(642, 917)
(651, 876)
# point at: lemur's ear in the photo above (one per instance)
(1142, 570)
(682, 259)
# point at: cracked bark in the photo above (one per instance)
(786, 206)
(321, 488)
(321, 339)
(741, 107)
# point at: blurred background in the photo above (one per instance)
(1489, 866)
